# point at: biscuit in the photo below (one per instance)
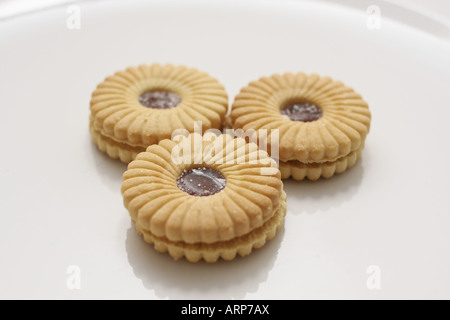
(314, 171)
(216, 203)
(228, 124)
(115, 150)
(322, 123)
(141, 106)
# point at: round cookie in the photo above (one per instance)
(214, 204)
(141, 106)
(322, 123)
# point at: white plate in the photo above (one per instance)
(60, 197)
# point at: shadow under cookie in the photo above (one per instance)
(314, 196)
(184, 280)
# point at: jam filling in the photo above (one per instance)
(305, 112)
(201, 181)
(159, 99)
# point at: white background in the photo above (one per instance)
(438, 9)
(60, 198)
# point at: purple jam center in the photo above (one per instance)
(159, 99)
(201, 181)
(305, 112)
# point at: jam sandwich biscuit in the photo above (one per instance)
(138, 107)
(215, 208)
(322, 123)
